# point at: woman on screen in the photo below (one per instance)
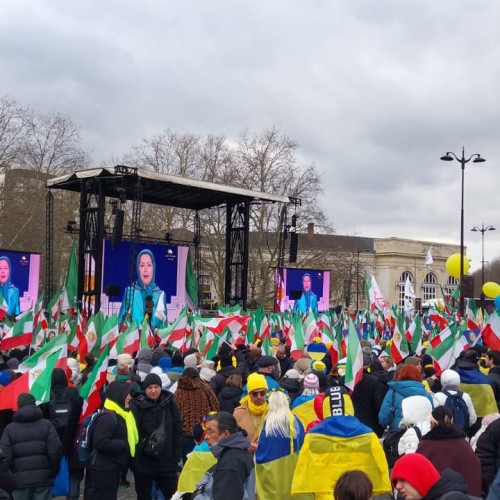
(144, 296)
(9, 292)
(308, 300)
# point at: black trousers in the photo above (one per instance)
(103, 485)
(166, 482)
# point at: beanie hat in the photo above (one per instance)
(5, 378)
(311, 381)
(450, 378)
(415, 409)
(190, 361)
(413, 360)
(151, 379)
(318, 367)
(256, 381)
(13, 363)
(416, 470)
(165, 363)
(125, 361)
(293, 374)
(25, 399)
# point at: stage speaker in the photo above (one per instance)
(118, 228)
(467, 286)
(113, 290)
(294, 244)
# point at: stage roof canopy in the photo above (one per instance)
(162, 189)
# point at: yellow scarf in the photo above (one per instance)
(128, 416)
(252, 407)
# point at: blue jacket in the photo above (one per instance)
(401, 390)
(307, 302)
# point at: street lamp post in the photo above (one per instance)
(476, 158)
(357, 276)
(482, 230)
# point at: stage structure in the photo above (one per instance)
(140, 185)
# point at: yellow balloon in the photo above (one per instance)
(491, 289)
(453, 265)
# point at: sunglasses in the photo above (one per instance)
(258, 393)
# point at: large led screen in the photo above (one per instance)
(303, 290)
(158, 275)
(19, 280)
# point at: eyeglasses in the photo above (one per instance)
(258, 393)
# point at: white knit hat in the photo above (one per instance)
(293, 374)
(206, 374)
(450, 378)
(190, 361)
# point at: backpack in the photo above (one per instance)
(84, 437)
(391, 442)
(458, 407)
(59, 410)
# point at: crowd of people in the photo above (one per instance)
(246, 425)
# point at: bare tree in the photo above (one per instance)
(13, 120)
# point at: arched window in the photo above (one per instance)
(451, 286)
(401, 287)
(430, 287)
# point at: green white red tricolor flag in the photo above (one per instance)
(354, 362)
(20, 333)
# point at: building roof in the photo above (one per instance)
(162, 189)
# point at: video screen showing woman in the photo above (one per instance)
(143, 296)
(308, 300)
(9, 291)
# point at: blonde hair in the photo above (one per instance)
(279, 419)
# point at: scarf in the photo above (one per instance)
(128, 416)
(253, 408)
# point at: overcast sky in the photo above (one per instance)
(373, 91)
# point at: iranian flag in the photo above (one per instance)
(59, 344)
(399, 345)
(375, 297)
(354, 362)
(234, 324)
(70, 291)
(414, 334)
(90, 391)
(36, 380)
(161, 311)
(310, 328)
(264, 328)
(54, 305)
(4, 307)
(39, 315)
(21, 333)
(90, 342)
(128, 341)
(147, 338)
(217, 341)
(251, 330)
(175, 333)
(226, 312)
(191, 283)
(110, 331)
(296, 338)
(446, 347)
(491, 331)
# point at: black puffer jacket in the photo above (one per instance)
(148, 418)
(32, 448)
(218, 381)
(488, 451)
(494, 376)
(109, 434)
(229, 398)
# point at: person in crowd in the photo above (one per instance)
(144, 358)
(430, 381)
(268, 366)
(206, 374)
(408, 382)
(279, 444)
(252, 408)
(232, 475)
(488, 452)
(9, 292)
(353, 485)
(230, 395)
(90, 361)
(485, 422)
(177, 367)
(446, 447)
(494, 493)
(416, 413)
(76, 373)
(155, 409)
(450, 383)
(195, 400)
(476, 384)
(319, 465)
(226, 369)
(303, 405)
(415, 478)
(144, 296)
(367, 398)
(303, 365)
(165, 381)
(114, 441)
(32, 450)
(308, 301)
(285, 362)
(291, 383)
(492, 359)
(388, 368)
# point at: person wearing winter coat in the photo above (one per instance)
(446, 447)
(415, 477)
(291, 382)
(226, 369)
(230, 395)
(148, 409)
(195, 399)
(485, 422)
(32, 450)
(234, 464)
(488, 452)
(450, 382)
(408, 383)
(416, 413)
(114, 440)
(493, 363)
